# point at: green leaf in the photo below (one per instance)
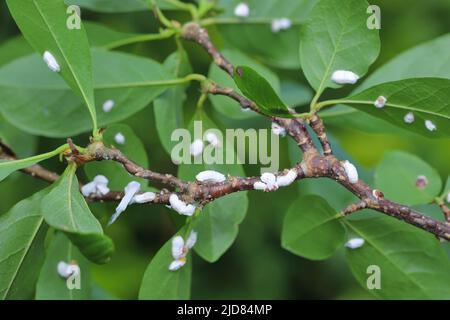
(396, 176)
(132, 148)
(258, 89)
(99, 36)
(131, 82)
(50, 285)
(225, 106)
(98, 248)
(345, 116)
(217, 224)
(425, 98)
(114, 6)
(44, 24)
(9, 166)
(412, 263)
(283, 49)
(336, 37)
(159, 283)
(425, 60)
(65, 209)
(168, 107)
(311, 229)
(102, 36)
(294, 93)
(24, 144)
(14, 48)
(22, 234)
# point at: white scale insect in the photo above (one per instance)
(180, 206)
(242, 10)
(51, 62)
(351, 171)
(344, 77)
(180, 250)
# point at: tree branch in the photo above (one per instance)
(37, 171)
(317, 125)
(315, 165)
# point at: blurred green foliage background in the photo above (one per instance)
(256, 267)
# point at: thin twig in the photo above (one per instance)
(317, 125)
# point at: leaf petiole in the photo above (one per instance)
(164, 34)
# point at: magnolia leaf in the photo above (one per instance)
(51, 285)
(65, 209)
(407, 179)
(226, 106)
(398, 260)
(22, 235)
(258, 89)
(159, 283)
(421, 105)
(312, 229)
(44, 24)
(9, 166)
(129, 81)
(336, 37)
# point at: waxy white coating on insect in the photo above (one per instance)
(108, 105)
(129, 192)
(258, 185)
(212, 139)
(180, 249)
(242, 10)
(144, 197)
(210, 176)
(430, 125)
(380, 102)
(180, 206)
(98, 186)
(191, 240)
(355, 243)
(196, 147)
(421, 182)
(448, 197)
(177, 264)
(278, 130)
(51, 62)
(350, 171)
(270, 180)
(409, 117)
(119, 138)
(287, 179)
(280, 24)
(65, 270)
(344, 77)
(376, 193)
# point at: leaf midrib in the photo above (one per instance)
(333, 56)
(398, 106)
(82, 90)
(370, 241)
(28, 246)
(69, 198)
